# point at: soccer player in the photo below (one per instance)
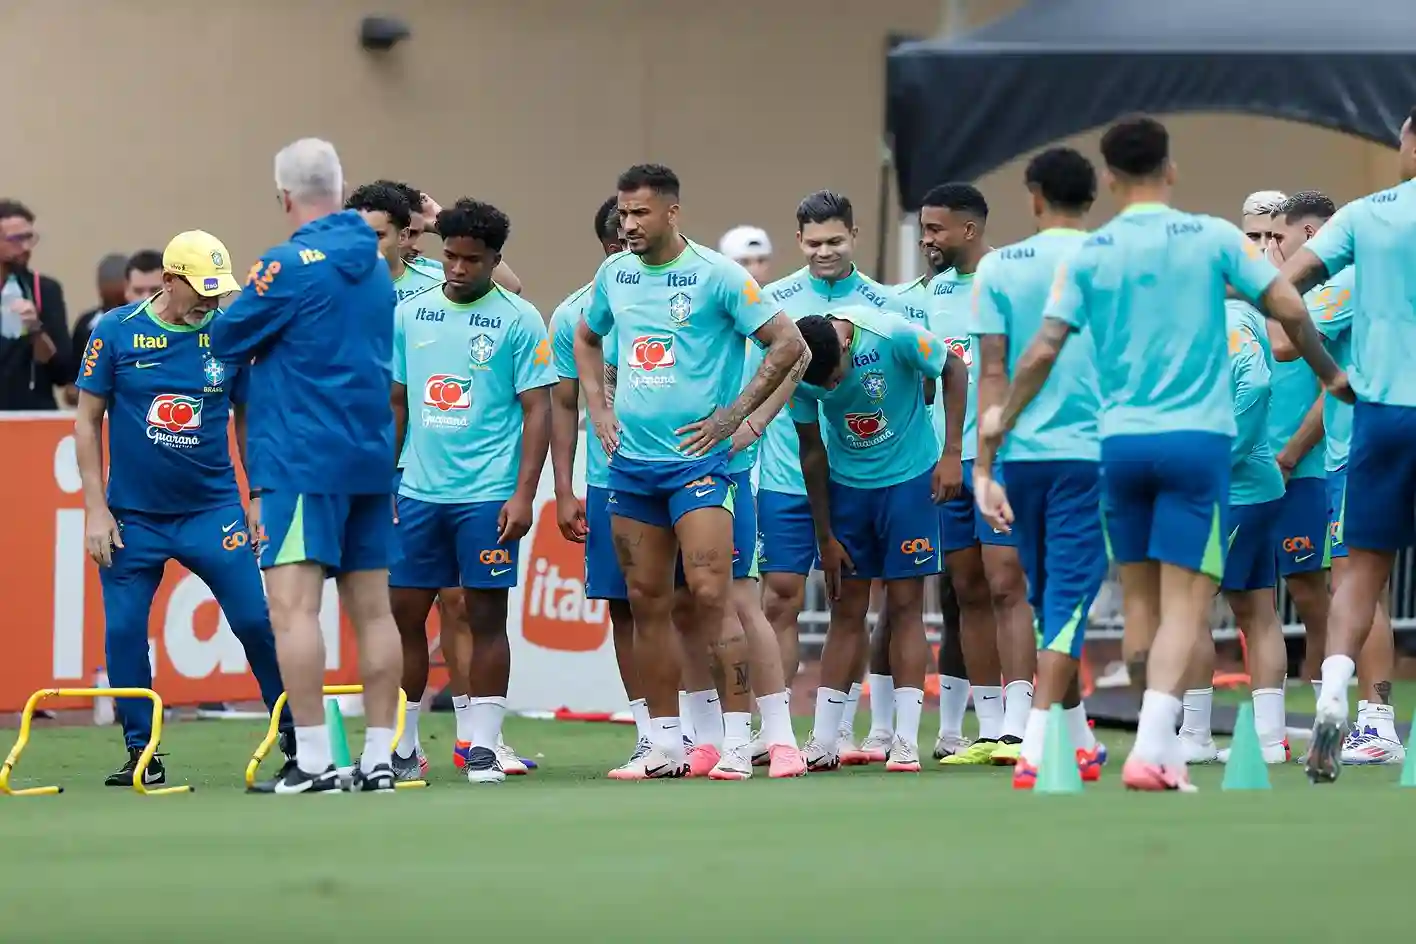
(424, 219)
(981, 561)
(1373, 739)
(1256, 216)
(1051, 461)
(1379, 501)
(826, 235)
(679, 312)
(469, 483)
(1167, 422)
(867, 491)
(171, 491)
(588, 522)
(317, 318)
(385, 208)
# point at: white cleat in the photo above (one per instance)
(1196, 751)
(760, 751)
(950, 744)
(1370, 749)
(820, 758)
(845, 743)
(511, 764)
(658, 765)
(1273, 754)
(735, 763)
(904, 757)
(873, 750)
(632, 769)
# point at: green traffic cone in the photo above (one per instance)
(338, 741)
(1408, 769)
(1246, 769)
(1058, 771)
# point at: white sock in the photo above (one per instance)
(1017, 702)
(953, 702)
(312, 748)
(1082, 736)
(882, 705)
(988, 706)
(378, 748)
(640, 709)
(852, 703)
(776, 714)
(1269, 718)
(1034, 736)
(706, 711)
(487, 715)
(462, 708)
(737, 729)
(408, 744)
(1337, 674)
(1362, 714)
(1198, 705)
(909, 702)
(1155, 731)
(667, 736)
(686, 718)
(830, 704)
(1383, 718)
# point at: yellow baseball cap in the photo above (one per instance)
(202, 260)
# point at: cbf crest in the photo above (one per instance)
(874, 384)
(680, 307)
(217, 259)
(214, 371)
(480, 349)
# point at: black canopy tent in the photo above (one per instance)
(961, 106)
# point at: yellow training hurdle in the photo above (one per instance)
(273, 732)
(27, 717)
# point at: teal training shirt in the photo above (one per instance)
(950, 320)
(563, 321)
(1150, 285)
(1254, 476)
(1010, 292)
(1330, 305)
(1378, 233)
(465, 365)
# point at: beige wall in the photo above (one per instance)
(140, 118)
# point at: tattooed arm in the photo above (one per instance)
(784, 348)
(755, 425)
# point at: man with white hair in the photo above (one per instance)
(316, 321)
(1258, 211)
(751, 248)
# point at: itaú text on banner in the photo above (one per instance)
(54, 615)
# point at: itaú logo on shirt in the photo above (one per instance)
(445, 394)
(170, 416)
(868, 429)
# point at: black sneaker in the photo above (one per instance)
(407, 768)
(483, 766)
(154, 776)
(379, 780)
(294, 780)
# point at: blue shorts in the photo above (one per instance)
(603, 578)
(1250, 563)
(1057, 523)
(660, 493)
(1302, 540)
(962, 525)
(345, 533)
(451, 545)
(1165, 497)
(1380, 508)
(744, 510)
(1336, 505)
(884, 531)
(786, 537)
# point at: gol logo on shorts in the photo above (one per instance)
(554, 611)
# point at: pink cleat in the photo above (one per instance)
(904, 757)
(873, 750)
(787, 761)
(702, 759)
(1155, 778)
(1089, 764)
(1025, 774)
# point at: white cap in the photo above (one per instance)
(1264, 203)
(745, 242)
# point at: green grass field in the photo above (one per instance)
(854, 855)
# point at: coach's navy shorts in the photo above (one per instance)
(603, 578)
(345, 533)
(962, 525)
(890, 533)
(660, 493)
(1380, 506)
(1302, 539)
(1250, 563)
(1165, 497)
(1057, 526)
(451, 545)
(785, 534)
(1336, 503)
